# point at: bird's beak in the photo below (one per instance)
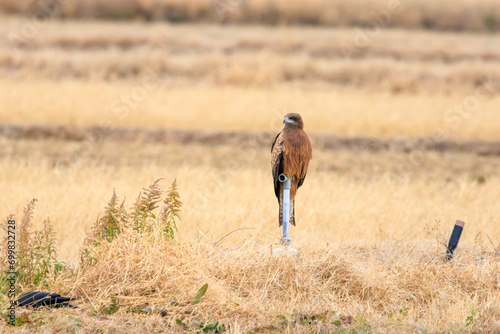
(286, 120)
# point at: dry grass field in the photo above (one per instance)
(336, 110)
(371, 224)
(363, 225)
(370, 239)
(385, 59)
(140, 75)
(460, 15)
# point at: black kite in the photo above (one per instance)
(290, 155)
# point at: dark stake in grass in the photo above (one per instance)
(455, 237)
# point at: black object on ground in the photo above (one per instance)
(39, 298)
(455, 237)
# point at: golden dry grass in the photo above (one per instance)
(370, 225)
(349, 197)
(389, 60)
(366, 263)
(327, 110)
(192, 76)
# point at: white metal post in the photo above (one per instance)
(285, 180)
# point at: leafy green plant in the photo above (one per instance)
(171, 211)
(113, 219)
(202, 326)
(36, 255)
(143, 221)
(112, 308)
(142, 217)
(471, 319)
(200, 294)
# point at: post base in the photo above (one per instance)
(287, 250)
(285, 241)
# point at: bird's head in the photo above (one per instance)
(293, 119)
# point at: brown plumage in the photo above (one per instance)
(290, 155)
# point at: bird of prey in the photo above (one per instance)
(290, 155)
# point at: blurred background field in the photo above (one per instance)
(380, 71)
(461, 15)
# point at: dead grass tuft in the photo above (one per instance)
(199, 285)
(320, 289)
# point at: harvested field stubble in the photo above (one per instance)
(460, 15)
(391, 60)
(340, 111)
